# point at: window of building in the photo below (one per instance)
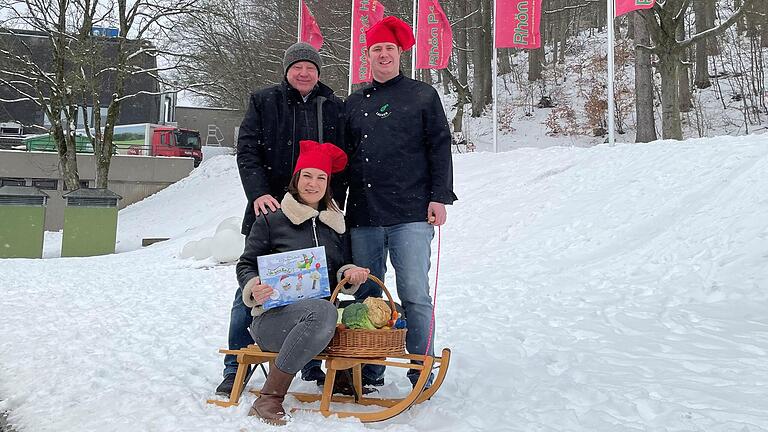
(83, 184)
(80, 118)
(45, 184)
(8, 181)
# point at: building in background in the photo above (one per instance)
(218, 126)
(142, 108)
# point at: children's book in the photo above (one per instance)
(295, 275)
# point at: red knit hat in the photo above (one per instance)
(390, 29)
(326, 157)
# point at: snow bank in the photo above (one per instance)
(581, 289)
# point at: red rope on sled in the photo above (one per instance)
(434, 296)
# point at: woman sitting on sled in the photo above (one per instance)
(307, 217)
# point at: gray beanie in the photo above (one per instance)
(301, 51)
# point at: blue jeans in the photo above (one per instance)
(239, 337)
(239, 320)
(409, 249)
(297, 332)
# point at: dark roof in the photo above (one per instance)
(91, 193)
(22, 191)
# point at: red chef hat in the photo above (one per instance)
(390, 29)
(326, 157)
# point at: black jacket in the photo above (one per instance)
(294, 227)
(399, 146)
(268, 141)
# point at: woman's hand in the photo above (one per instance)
(261, 293)
(357, 275)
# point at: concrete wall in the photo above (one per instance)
(132, 177)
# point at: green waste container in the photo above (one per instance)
(22, 221)
(90, 222)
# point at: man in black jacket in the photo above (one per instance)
(278, 117)
(400, 179)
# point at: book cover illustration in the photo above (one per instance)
(295, 275)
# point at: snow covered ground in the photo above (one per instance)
(581, 289)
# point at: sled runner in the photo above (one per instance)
(350, 349)
(252, 355)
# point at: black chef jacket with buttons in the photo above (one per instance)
(399, 144)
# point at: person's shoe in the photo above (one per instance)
(313, 374)
(269, 405)
(225, 388)
(343, 384)
(415, 377)
(376, 382)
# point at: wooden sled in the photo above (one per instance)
(252, 355)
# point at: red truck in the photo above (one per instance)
(159, 140)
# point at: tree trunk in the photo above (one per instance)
(646, 122)
(670, 103)
(762, 9)
(426, 76)
(741, 25)
(488, 51)
(444, 81)
(702, 48)
(504, 65)
(684, 85)
(478, 60)
(461, 44)
(104, 156)
(563, 44)
(462, 97)
(535, 58)
(67, 157)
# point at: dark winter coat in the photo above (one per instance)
(295, 226)
(399, 145)
(268, 141)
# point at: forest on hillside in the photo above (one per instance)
(684, 68)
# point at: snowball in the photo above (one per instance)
(227, 245)
(232, 223)
(203, 248)
(188, 251)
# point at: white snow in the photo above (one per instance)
(580, 289)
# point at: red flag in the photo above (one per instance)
(365, 13)
(626, 6)
(517, 23)
(310, 31)
(434, 37)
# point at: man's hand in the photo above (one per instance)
(436, 213)
(357, 275)
(264, 201)
(261, 293)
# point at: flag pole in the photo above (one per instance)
(416, 46)
(494, 71)
(611, 6)
(298, 32)
(351, 46)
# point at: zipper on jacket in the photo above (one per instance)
(314, 230)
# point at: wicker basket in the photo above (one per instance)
(367, 343)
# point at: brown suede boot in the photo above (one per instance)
(269, 405)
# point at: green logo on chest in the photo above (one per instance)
(384, 111)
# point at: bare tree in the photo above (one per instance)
(705, 20)
(646, 122)
(48, 84)
(662, 25)
(144, 20)
(86, 71)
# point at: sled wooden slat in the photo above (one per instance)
(391, 406)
